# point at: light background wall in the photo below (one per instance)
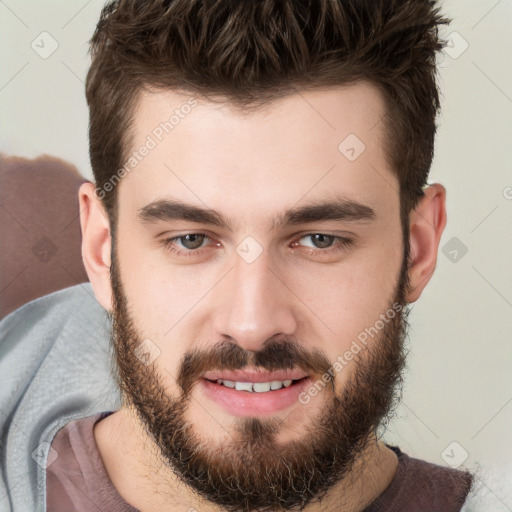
(459, 378)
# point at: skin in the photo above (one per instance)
(267, 161)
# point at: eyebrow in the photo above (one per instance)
(338, 209)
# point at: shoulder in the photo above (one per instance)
(438, 480)
(56, 325)
(55, 345)
(55, 366)
(421, 486)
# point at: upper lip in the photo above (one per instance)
(255, 375)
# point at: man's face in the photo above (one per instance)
(256, 299)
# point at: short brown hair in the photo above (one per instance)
(250, 52)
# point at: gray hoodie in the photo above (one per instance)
(55, 366)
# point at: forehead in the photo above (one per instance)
(305, 146)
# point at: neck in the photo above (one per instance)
(134, 466)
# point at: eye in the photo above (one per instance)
(187, 244)
(325, 244)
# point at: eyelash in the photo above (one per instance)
(342, 244)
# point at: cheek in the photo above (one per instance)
(160, 298)
(351, 297)
(171, 305)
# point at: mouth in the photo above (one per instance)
(249, 393)
(257, 387)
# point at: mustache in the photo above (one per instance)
(275, 355)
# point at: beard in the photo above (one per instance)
(251, 471)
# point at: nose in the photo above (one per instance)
(254, 304)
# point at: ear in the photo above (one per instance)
(96, 243)
(426, 225)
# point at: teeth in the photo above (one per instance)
(258, 387)
(243, 386)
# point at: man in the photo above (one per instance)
(259, 224)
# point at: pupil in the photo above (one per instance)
(323, 239)
(190, 238)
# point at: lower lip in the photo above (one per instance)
(247, 403)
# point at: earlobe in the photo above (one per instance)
(426, 224)
(96, 243)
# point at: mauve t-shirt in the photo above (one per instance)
(78, 482)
